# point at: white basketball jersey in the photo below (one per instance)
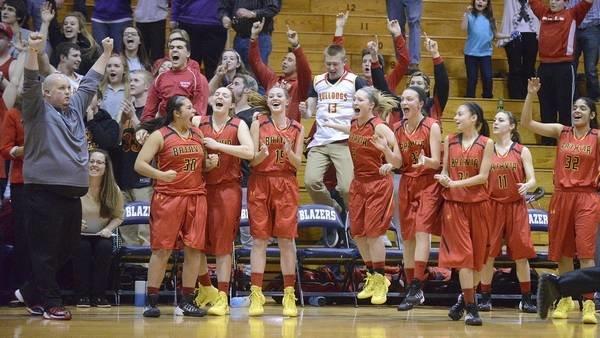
(334, 103)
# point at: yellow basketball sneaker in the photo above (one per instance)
(206, 295)
(257, 300)
(565, 305)
(589, 312)
(367, 290)
(221, 306)
(289, 302)
(380, 289)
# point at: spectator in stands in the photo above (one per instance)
(134, 50)
(556, 44)
(165, 65)
(331, 99)
(102, 129)
(587, 41)
(521, 50)
(14, 13)
(296, 71)
(69, 55)
(230, 65)
(102, 212)
(396, 10)
(74, 30)
(395, 76)
(480, 25)
(182, 79)
(240, 14)
(11, 148)
(150, 19)
(115, 86)
(208, 36)
(6, 35)
(177, 34)
(110, 18)
(55, 169)
(134, 186)
(414, 10)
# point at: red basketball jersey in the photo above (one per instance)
(506, 172)
(366, 158)
(229, 166)
(274, 138)
(411, 145)
(186, 157)
(462, 164)
(577, 160)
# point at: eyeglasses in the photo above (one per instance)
(130, 33)
(98, 162)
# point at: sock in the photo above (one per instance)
(379, 267)
(420, 270)
(410, 274)
(588, 296)
(469, 295)
(289, 280)
(205, 280)
(224, 286)
(256, 279)
(152, 291)
(525, 287)
(485, 288)
(369, 265)
(187, 291)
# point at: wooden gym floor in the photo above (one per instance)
(329, 321)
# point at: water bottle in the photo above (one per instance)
(140, 293)
(240, 302)
(317, 300)
(500, 105)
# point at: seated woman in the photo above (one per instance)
(102, 212)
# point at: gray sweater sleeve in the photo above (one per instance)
(33, 103)
(85, 92)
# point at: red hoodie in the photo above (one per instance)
(12, 136)
(184, 82)
(557, 30)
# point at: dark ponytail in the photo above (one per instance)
(481, 124)
(514, 134)
(174, 103)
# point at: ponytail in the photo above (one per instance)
(174, 103)
(384, 103)
(481, 123)
(514, 134)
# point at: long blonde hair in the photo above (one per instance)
(255, 100)
(384, 103)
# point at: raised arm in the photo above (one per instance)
(264, 74)
(464, 24)
(340, 21)
(217, 79)
(544, 129)
(402, 59)
(441, 89)
(33, 103)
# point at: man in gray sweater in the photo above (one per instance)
(55, 170)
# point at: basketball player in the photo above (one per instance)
(511, 176)
(273, 196)
(467, 161)
(178, 206)
(229, 137)
(575, 204)
(371, 143)
(420, 195)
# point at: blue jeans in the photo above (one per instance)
(414, 8)
(242, 45)
(396, 10)
(113, 30)
(588, 43)
(473, 64)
